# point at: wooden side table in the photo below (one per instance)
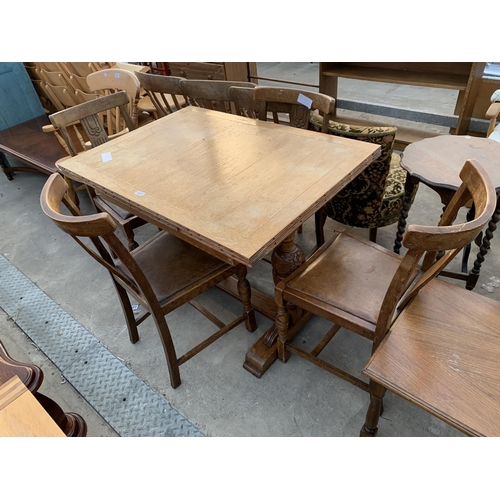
(437, 162)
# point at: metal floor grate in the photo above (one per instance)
(128, 404)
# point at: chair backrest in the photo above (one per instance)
(98, 228)
(297, 104)
(244, 101)
(428, 241)
(88, 115)
(108, 81)
(162, 90)
(211, 94)
(359, 204)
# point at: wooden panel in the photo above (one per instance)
(18, 99)
(198, 70)
(238, 186)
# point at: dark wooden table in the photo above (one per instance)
(437, 162)
(27, 142)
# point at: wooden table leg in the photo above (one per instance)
(409, 185)
(285, 259)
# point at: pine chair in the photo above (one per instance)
(361, 286)
(87, 115)
(108, 81)
(162, 274)
(211, 94)
(163, 94)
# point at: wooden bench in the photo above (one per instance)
(27, 142)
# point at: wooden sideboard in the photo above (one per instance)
(235, 71)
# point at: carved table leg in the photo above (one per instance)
(285, 259)
(483, 249)
(409, 185)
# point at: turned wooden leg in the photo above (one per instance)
(245, 293)
(375, 409)
(409, 185)
(483, 249)
(129, 234)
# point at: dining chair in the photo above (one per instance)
(108, 81)
(375, 197)
(362, 287)
(87, 115)
(161, 274)
(163, 94)
(211, 94)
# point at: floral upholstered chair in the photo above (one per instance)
(375, 197)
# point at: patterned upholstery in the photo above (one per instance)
(375, 197)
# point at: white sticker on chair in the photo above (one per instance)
(106, 157)
(117, 75)
(302, 99)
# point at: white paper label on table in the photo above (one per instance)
(106, 157)
(140, 193)
(302, 99)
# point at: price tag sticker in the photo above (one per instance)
(140, 193)
(106, 157)
(305, 101)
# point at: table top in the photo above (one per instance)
(437, 161)
(442, 354)
(231, 185)
(28, 142)
(21, 415)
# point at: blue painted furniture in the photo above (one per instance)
(21, 120)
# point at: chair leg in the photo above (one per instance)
(375, 409)
(129, 234)
(319, 220)
(127, 311)
(373, 234)
(245, 293)
(282, 320)
(168, 348)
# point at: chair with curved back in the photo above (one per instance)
(211, 94)
(362, 287)
(112, 80)
(162, 274)
(87, 115)
(163, 94)
(375, 197)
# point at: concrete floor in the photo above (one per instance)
(217, 395)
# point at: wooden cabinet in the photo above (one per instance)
(237, 71)
(462, 76)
